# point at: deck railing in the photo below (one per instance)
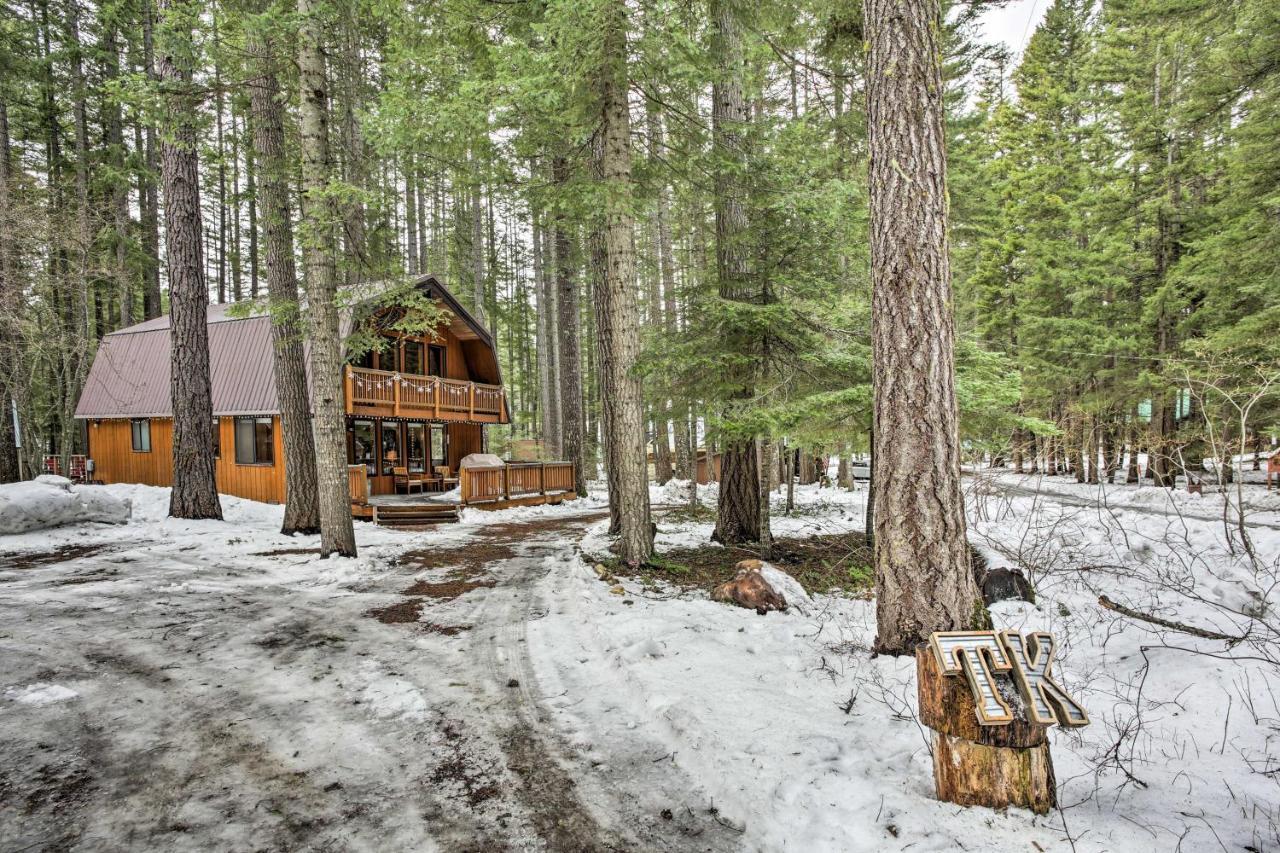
(409, 395)
(513, 480)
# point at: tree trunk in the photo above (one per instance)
(10, 298)
(320, 221)
(617, 329)
(195, 489)
(923, 578)
(119, 183)
(739, 518)
(974, 765)
(148, 197)
(570, 367)
(545, 296)
(302, 508)
(410, 218)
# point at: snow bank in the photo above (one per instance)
(40, 694)
(49, 501)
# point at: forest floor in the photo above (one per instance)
(211, 685)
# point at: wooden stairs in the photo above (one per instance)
(419, 515)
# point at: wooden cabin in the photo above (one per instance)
(414, 401)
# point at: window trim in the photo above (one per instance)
(133, 443)
(235, 438)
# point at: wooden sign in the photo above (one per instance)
(981, 656)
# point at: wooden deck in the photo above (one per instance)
(491, 488)
(386, 394)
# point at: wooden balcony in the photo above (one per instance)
(384, 394)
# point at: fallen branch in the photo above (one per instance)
(1165, 623)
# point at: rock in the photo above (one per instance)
(1006, 585)
(618, 590)
(786, 586)
(750, 589)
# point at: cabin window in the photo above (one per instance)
(413, 358)
(416, 447)
(365, 359)
(141, 429)
(254, 441)
(362, 444)
(216, 434)
(390, 448)
(435, 361)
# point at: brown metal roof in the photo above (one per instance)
(130, 373)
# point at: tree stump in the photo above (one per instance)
(976, 765)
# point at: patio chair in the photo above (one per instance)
(402, 478)
(447, 481)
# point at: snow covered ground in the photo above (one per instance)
(211, 685)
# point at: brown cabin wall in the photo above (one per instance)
(463, 440)
(111, 447)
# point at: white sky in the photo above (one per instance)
(1013, 24)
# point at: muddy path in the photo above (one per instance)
(179, 696)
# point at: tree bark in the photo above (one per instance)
(119, 182)
(302, 507)
(320, 221)
(148, 196)
(570, 367)
(10, 298)
(617, 330)
(739, 518)
(923, 577)
(195, 490)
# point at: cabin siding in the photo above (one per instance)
(115, 460)
(463, 440)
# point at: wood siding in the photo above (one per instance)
(111, 447)
(464, 439)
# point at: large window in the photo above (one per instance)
(437, 446)
(362, 447)
(141, 429)
(390, 448)
(255, 443)
(435, 360)
(416, 447)
(413, 358)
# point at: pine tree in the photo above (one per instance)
(923, 577)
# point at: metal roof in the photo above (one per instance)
(130, 373)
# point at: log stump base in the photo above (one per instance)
(975, 765)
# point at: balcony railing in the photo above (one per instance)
(408, 395)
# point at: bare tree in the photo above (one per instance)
(923, 577)
(320, 221)
(195, 489)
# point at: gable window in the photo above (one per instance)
(255, 441)
(141, 430)
(435, 360)
(412, 358)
